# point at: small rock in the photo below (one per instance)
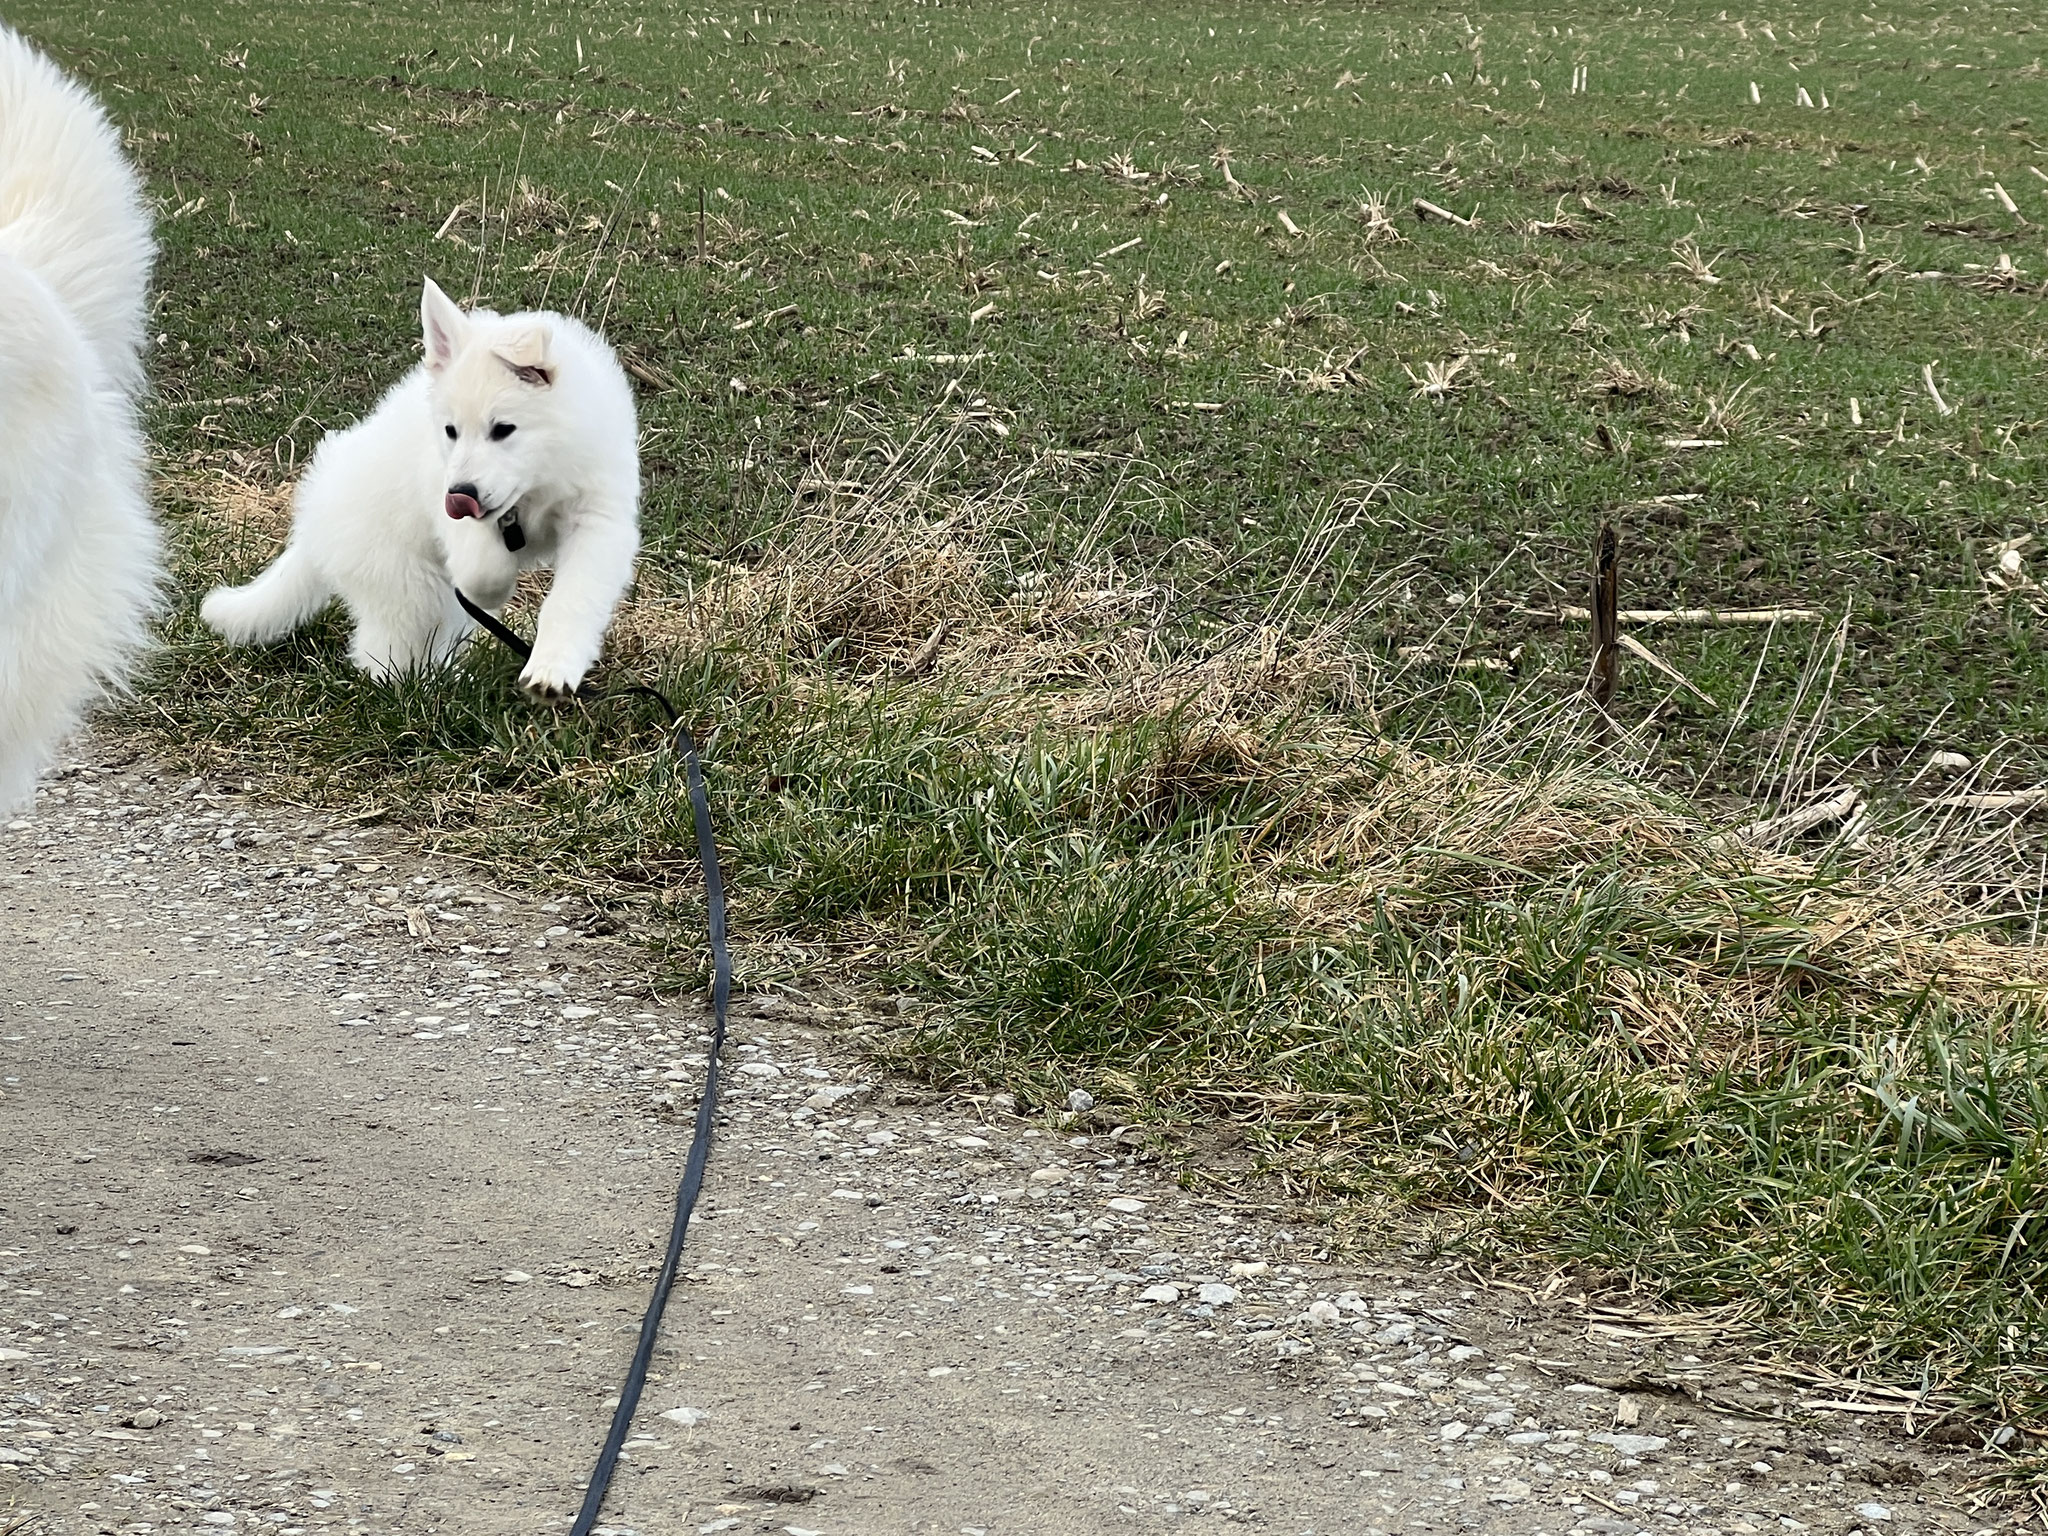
(687, 1417)
(1873, 1512)
(1080, 1101)
(147, 1418)
(1126, 1205)
(1455, 1430)
(970, 1143)
(1048, 1176)
(291, 1312)
(1216, 1294)
(827, 1097)
(1632, 1445)
(199, 1248)
(1324, 1312)
(1248, 1269)
(753, 1068)
(574, 1011)
(1395, 1333)
(515, 1277)
(1167, 1294)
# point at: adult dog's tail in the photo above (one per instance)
(71, 208)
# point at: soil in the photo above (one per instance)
(335, 1178)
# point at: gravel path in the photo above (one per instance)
(333, 1179)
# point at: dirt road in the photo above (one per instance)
(333, 1178)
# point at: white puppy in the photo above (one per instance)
(79, 553)
(512, 445)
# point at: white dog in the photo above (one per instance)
(512, 445)
(79, 553)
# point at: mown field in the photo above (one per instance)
(1119, 535)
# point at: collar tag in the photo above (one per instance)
(510, 531)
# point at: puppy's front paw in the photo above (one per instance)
(550, 683)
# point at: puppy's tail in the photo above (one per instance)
(290, 592)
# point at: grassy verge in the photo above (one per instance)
(1492, 973)
(1120, 543)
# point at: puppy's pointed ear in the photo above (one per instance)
(443, 328)
(527, 356)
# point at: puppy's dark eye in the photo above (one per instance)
(451, 432)
(502, 430)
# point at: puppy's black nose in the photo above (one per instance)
(464, 489)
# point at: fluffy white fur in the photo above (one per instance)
(403, 507)
(79, 554)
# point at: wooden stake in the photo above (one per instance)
(1606, 617)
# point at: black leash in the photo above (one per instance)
(707, 1106)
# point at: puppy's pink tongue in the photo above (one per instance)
(463, 506)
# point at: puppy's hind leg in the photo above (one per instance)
(277, 602)
(413, 628)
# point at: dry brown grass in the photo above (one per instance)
(228, 501)
(1624, 381)
(895, 589)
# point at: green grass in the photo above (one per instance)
(330, 143)
(1241, 850)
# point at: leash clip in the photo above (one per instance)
(510, 531)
